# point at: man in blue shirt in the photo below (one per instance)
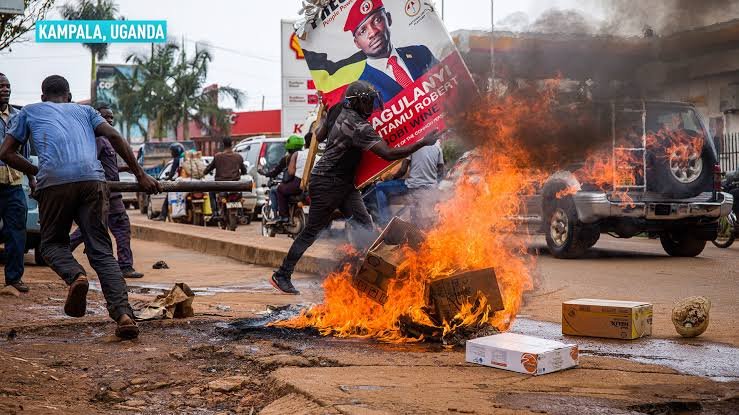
(13, 208)
(71, 187)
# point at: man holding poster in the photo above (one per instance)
(417, 71)
(332, 179)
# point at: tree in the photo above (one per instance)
(127, 107)
(92, 10)
(12, 27)
(194, 101)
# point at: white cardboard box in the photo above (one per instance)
(523, 354)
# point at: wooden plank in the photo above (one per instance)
(312, 150)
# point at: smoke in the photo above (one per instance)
(627, 18)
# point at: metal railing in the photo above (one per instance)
(728, 150)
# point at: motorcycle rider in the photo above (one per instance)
(177, 151)
(290, 182)
(332, 179)
(229, 167)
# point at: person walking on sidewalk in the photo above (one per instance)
(332, 179)
(118, 221)
(13, 208)
(71, 187)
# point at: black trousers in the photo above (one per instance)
(85, 203)
(326, 195)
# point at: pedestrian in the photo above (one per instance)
(229, 167)
(13, 208)
(332, 179)
(118, 222)
(71, 187)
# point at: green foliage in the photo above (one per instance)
(13, 27)
(92, 10)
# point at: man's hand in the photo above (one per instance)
(149, 184)
(32, 186)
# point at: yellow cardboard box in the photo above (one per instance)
(607, 318)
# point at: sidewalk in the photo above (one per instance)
(245, 245)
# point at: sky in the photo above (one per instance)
(244, 37)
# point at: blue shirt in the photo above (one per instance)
(64, 138)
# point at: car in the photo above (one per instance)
(155, 202)
(33, 224)
(267, 152)
(673, 200)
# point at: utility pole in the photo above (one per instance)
(492, 44)
(442, 10)
(262, 102)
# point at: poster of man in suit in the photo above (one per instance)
(403, 49)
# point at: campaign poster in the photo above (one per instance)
(105, 79)
(404, 50)
(299, 97)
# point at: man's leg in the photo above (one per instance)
(57, 209)
(120, 227)
(273, 201)
(13, 211)
(284, 191)
(326, 196)
(92, 217)
(383, 190)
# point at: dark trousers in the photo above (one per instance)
(85, 203)
(284, 191)
(13, 211)
(120, 227)
(326, 195)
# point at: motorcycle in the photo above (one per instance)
(230, 207)
(196, 204)
(728, 228)
(292, 228)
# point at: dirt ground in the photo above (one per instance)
(51, 364)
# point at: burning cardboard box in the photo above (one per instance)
(522, 354)
(445, 296)
(607, 318)
(383, 258)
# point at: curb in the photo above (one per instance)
(249, 251)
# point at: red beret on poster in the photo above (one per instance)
(361, 10)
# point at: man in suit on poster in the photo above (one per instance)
(388, 68)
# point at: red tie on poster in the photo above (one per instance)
(401, 77)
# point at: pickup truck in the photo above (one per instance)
(676, 199)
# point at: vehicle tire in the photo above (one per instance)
(198, 219)
(726, 232)
(681, 245)
(298, 221)
(233, 221)
(37, 258)
(566, 236)
(681, 179)
(267, 230)
(149, 211)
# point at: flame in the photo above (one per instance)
(474, 230)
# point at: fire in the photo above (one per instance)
(474, 230)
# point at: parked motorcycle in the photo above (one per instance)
(229, 206)
(728, 228)
(292, 228)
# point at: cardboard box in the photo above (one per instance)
(447, 295)
(522, 354)
(383, 258)
(607, 318)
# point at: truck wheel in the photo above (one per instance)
(681, 245)
(682, 178)
(567, 237)
(37, 258)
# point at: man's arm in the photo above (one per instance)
(124, 150)
(9, 155)
(242, 167)
(292, 166)
(402, 170)
(210, 167)
(391, 154)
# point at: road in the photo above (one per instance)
(50, 363)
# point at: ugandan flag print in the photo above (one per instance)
(332, 78)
